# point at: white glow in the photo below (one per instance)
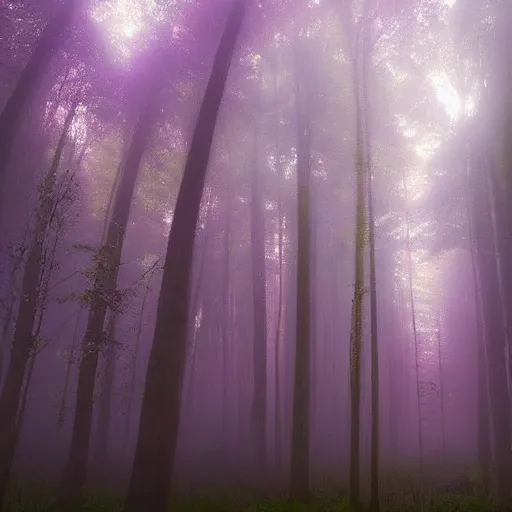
(446, 94)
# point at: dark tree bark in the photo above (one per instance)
(102, 297)
(23, 340)
(483, 412)
(226, 318)
(49, 42)
(300, 456)
(494, 322)
(101, 460)
(441, 385)
(259, 404)
(374, 341)
(414, 330)
(356, 331)
(160, 416)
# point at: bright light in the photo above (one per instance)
(446, 94)
(121, 21)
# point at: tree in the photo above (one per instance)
(356, 331)
(299, 477)
(101, 298)
(259, 406)
(50, 40)
(23, 339)
(160, 415)
(480, 163)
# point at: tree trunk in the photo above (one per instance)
(441, 386)
(300, 457)
(101, 459)
(374, 342)
(277, 362)
(356, 331)
(50, 40)
(483, 412)
(23, 340)
(414, 330)
(102, 296)
(160, 416)
(259, 404)
(493, 322)
(69, 363)
(226, 319)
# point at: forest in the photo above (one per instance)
(253, 255)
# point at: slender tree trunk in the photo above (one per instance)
(23, 339)
(300, 457)
(259, 404)
(493, 322)
(374, 347)
(133, 370)
(226, 318)
(101, 461)
(441, 385)
(483, 412)
(503, 247)
(414, 331)
(50, 40)
(62, 409)
(356, 332)
(277, 362)
(160, 416)
(103, 296)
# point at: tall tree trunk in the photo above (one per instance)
(277, 344)
(356, 331)
(259, 404)
(493, 322)
(102, 296)
(69, 363)
(441, 385)
(374, 342)
(483, 412)
(226, 318)
(503, 247)
(160, 416)
(23, 340)
(101, 460)
(50, 40)
(278, 448)
(299, 477)
(133, 369)
(414, 330)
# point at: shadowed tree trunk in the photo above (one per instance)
(414, 328)
(259, 404)
(61, 416)
(300, 457)
(374, 342)
(277, 362)
(50, 40)
(356, 331)
(102, 297)
(160, 416)
(493, 321)
(23, 340)
(101, 459)
(226, 319)
(483, 412)
(441, 384)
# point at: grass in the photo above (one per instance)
(43, 502)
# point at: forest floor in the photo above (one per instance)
(404, 503)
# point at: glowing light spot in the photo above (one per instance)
(446, 94)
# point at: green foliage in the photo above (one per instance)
(44, 502)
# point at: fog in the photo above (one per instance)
(255, 248)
